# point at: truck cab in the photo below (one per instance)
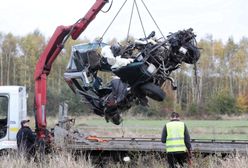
(13, 109)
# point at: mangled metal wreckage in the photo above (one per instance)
(150, 64)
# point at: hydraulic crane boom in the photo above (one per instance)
(44, 64)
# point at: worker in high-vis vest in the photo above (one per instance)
(176, 137)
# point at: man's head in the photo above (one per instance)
(25, 122)
(174, 116)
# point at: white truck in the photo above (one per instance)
(13, 109)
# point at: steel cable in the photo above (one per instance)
(113, 20)
(153, 19)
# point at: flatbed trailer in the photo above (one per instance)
(70, 141)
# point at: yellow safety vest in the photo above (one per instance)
(175, 137)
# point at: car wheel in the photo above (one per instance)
(153, 91)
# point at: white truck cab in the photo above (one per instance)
(13, 109)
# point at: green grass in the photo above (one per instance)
(199, 129)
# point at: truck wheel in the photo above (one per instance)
(153, 91)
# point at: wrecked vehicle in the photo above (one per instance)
(153, 62)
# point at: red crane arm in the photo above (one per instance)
(44, 64)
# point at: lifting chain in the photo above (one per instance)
(131, 16)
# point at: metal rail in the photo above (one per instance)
(155, 145)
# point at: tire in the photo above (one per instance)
(153, 91)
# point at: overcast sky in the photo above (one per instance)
(221, 18)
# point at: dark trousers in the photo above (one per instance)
(176, 159)
(28, 153)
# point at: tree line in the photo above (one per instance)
(215, 85)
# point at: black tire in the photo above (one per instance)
(153, 91)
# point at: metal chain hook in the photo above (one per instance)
(108, 8)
